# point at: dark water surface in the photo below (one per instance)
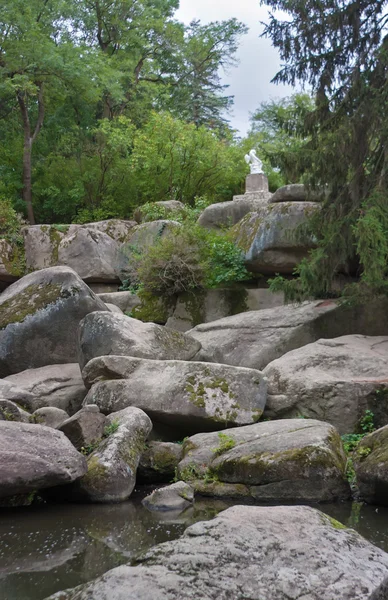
(49, 548)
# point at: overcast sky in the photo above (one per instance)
(259, 62)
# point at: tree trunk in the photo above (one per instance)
(27, 191)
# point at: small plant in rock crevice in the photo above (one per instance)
(351, 443)
(109, 430)
(226, 443)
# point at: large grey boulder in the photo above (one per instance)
(34, 457)
(177, 497)
(256, 338)
(39, 318)
(50, 416)
(11, 392)
(91, 253)
(126, 301)
(59, 386)
(331, 380)
(84, 428)
(111, 474)
(117, 229)
(189, 395)
(41, 244)
(290, 460)
(226, 214)
(104, 333)
(370, 461)
(294, 192)
(159, 462)
(271, 238)
(271, 553)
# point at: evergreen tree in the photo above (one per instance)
(339, 48)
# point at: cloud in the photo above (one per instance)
(258, 61)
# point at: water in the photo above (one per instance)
(49, 548)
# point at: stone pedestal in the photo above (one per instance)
(258, 182)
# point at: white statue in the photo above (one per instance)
(254, 162)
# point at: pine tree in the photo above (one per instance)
(340, 49)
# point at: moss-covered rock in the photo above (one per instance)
(159, 462)
(371, 466)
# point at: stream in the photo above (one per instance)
(47, 548)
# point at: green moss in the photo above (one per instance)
(28, 302)
(96, 472)
(226, 443)
(163, 460)
(333, 522)
(55, 240)
(244, 233)
(13, 258)
(153, 309)
(194, 303)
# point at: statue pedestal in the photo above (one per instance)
(257, 182)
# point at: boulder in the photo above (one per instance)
(112, 466)
(117, 229)
(256, 338)
(114, 309)
(39, 318)
(21, 397)
(177, 496)
(125, 301)
(370, 461)
(227, 214)
(205, 306)
(41, 244)
(271, 237)
(34, 457)
(255, 552)
(278, 461)
(159, 462)
(9, 411)
(191, 396)
(294, 192)
(85, 428)
(331, 380)
(104, 333)
(59, 386)
(50, 416)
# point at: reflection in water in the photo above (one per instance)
(53, 547)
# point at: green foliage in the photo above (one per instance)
(341, 51)
(10, 223)
(187, 258)
(226, 443)
(351, 444)
(111, 428)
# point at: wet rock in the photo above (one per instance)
(159, 462)
(50, 416)
(276, 552)
(289, 460)
(331, 380)
(39, 317)
(191, 396)
(177, 496)
(34, 457)
(112, 466)
(84, 428)
(58, 386)
(256, 338)
(101, 334)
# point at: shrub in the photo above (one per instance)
(10, 222)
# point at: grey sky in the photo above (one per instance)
(259, 62)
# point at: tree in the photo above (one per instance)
(199, 96)
(37, 61)
(340, 50)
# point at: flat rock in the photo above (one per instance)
(112, 467)
(104, 333)
(271, 237)
(331, 380)
(159, 462)
(370, 461)
(177, 497)
(289, 460)
(274, 553)
(226, 214)
(59, 386)
(34, 457)
(294, 192)
(189, 395)
(39, 318)
(125, 301)
(256, 338)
